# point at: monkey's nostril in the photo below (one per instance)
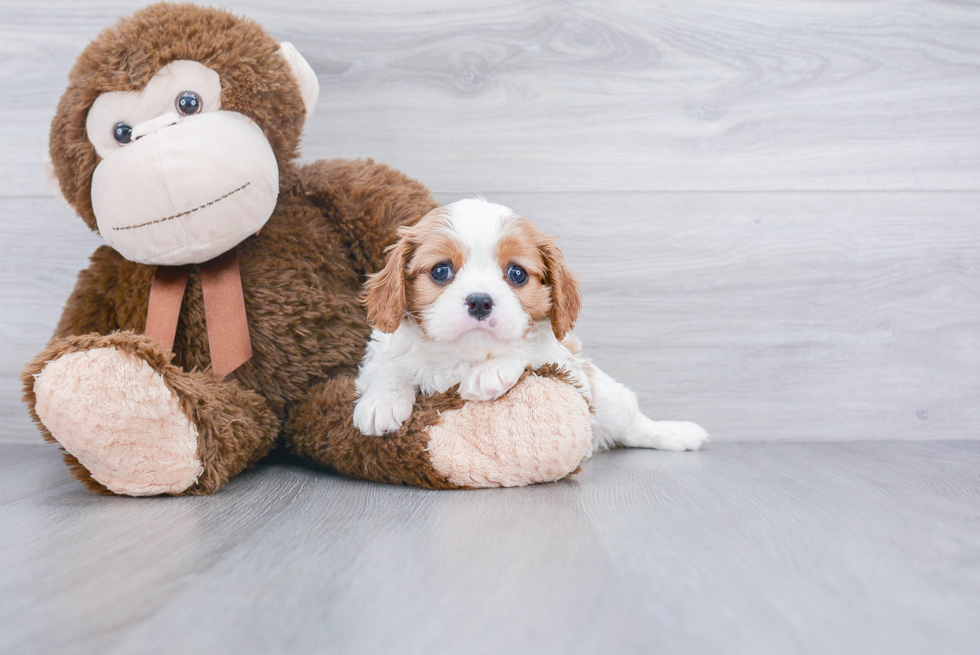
(154, 124)
(479, 305)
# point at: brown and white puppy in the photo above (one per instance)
(471, 295)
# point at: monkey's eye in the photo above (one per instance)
(516, 274)
(122, 133)
(442, 272)
(188, 103)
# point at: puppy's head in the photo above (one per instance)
(473, 267)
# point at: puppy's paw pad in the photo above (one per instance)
(383, 412)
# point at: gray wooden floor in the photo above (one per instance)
(862, 548)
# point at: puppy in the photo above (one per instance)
(471, 295)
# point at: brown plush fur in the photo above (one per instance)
(300, 282)
(255, 81)
(301, 275)
(397, 458)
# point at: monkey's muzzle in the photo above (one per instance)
(188, 191)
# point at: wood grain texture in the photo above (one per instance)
(772, 316)
(860, 548)
(559, 96)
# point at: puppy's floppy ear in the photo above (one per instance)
(566, 300)
(385, 292)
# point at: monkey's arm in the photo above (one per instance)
(367, 202)
(91, 306)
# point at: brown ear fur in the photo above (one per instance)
(566, 300)
(385, 293)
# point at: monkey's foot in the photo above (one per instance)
(115, 414)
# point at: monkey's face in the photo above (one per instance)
(174, 130)
(180, 181)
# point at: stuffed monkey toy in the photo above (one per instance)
(224, 315)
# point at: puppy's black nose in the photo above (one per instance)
(479, 305)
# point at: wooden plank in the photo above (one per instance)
(747, 548)
(776, 316)
(556, 96)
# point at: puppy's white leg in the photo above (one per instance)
(665, 435)
(383, 408)
(491, 379)
(618, 421)
(386, 395)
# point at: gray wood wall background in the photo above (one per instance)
(773, 206)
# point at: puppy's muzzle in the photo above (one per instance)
(479, 305)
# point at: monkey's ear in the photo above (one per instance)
(55, 184)
(309, 86)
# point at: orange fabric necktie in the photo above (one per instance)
(224, 310)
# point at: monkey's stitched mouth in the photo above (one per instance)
(189, 211)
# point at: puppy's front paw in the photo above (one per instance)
(382, 412)
(490, 380)
(667, 435)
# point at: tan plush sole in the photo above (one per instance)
(115, 414)
(539, 432)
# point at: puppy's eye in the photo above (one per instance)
(188, 103)
(516, 274)
(122, 133)
(441, 272)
